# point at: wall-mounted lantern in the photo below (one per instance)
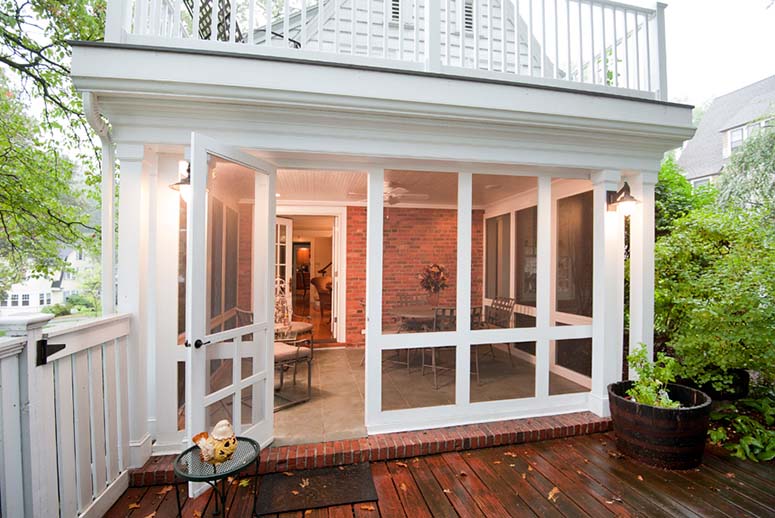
(183, 185)
(622, 200)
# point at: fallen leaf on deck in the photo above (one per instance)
(512, 465)
(586, 461)
(729, 475)
(462, 474)
(230, 480)
(245, 482)
(308, 512)
(288, 473)
(368, 508)
(524, 476)
(446, 491)
(612, 500)
(615, 454)
(152, 515)
(510, 454)
(402, 464)
(197, 514)
(640, 477)
(530, 468)
(164, 490)
(553, 494)
(134, 505)
(402, 487)
(304, 483)
(294, 492)
(341, 468)
(496, 462)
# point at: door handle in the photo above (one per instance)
(197, 343)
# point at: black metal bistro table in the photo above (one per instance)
(190, 468)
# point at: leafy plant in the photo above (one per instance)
(714, 294)
(651, 386)
(746, 428)
(433, 278)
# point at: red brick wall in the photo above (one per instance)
(412, 238)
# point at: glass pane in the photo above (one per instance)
(182, 229)
(573, 283)
(231, 195)
(181, 395)
(526, 260)
(221, 409)
(502, 371)
(419, 249)
(416, 378)
(570, 366)
(219, 373)
(496, 199)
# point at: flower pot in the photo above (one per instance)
(671, 438)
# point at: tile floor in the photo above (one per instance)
(335, 411)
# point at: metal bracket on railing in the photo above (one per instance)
(44, 350)
(197, 343)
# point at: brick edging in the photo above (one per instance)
(399, 445)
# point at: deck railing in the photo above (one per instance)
(587, 44)
(64, 417)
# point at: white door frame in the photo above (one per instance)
(339, 306)
(262, 328)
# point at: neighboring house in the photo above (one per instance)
(490, 138)
(725, 126)
(34, 294)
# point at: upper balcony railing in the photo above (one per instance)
(596, 45)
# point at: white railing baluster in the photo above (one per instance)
(517, 46)
(647, 22)
(661, 51)
(447, 13)
(368, 27)
(232, 21)
(543, 38)
(11, 488)
(503, 35)
(581, 46)
(461, 26)
(556, 42)
(401, 21)
(433, 35)
(267, 22)
(286, 22)
(214, 20)
(530, 37)
(353, 29)
(616, 49)
(605, 49)
(83, 475)
(570, 56)
(195, 23)
(321, 17)
(476, 22)
(416, 8)
(592, 64)
(176, 30)
(626, 50)
(251, 22)
(66, 437)
(637, 52)
(111, 409)
(489, 36)
(386, 28)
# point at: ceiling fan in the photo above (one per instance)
(393, 193)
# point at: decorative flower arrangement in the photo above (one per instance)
(433, 278)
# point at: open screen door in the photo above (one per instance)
(230, 293)
(284, 257)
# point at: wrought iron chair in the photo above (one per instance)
(498, 316)
(444, 319)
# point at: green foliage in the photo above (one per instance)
(715, 293)
(58, 310)
(675, 197)
(651, 386)
(748, 181)
(746, 428)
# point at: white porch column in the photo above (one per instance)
(132, 269)
(642, 262)
(608, 292)
(373, 353)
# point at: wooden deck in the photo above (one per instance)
(574, 477)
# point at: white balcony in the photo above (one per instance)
(596, 45)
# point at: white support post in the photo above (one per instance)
(38, 435)
(373, 353)
(108, 294)
(642, 263)
(432, 35)
(545, 300)
(116, 19)
(607, 292)
(463, 350)
(132, 265)
(661, 52)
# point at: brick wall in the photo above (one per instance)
(245, 257)
(412, 238)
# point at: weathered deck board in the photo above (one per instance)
(589, 477)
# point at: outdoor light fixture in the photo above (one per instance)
(622, 200)
(183, 185)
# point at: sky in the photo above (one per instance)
(717, 46)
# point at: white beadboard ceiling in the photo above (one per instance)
(440, 187)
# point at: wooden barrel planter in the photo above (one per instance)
(671, 438)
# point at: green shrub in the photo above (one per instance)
(58, 310)
(746, 428)
(715, 294)
(651, 385)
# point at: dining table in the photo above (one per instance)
(415, 315)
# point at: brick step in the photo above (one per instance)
(399, 445)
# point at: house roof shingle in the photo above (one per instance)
(703, 155)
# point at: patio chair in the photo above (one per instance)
(287, 355)
(498, 316)
(444, 320)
